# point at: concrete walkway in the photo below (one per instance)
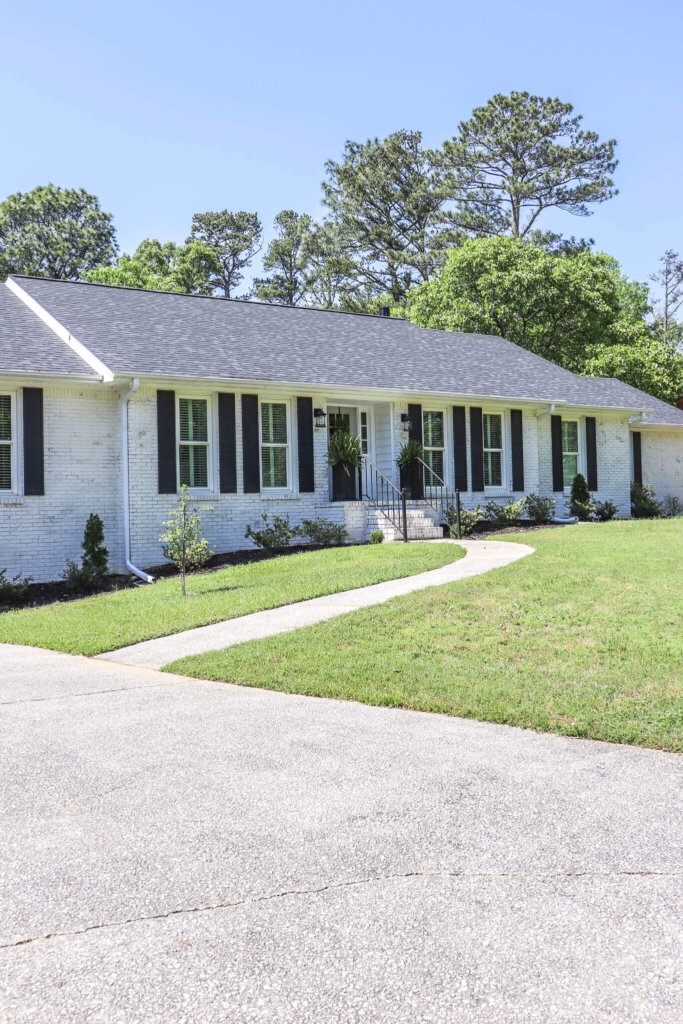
(481, 556)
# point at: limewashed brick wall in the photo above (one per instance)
(82, 475)
(662, 458)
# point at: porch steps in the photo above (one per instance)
(421, 525)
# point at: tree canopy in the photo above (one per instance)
(520, 155)
(651, 365)
(383, 197)
(54, 232)
(235, 239)
(286, 257)
(163, 267)
(557, 306)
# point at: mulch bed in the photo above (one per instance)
(47, 593)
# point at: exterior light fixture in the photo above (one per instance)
(405, 420)
(320, 417)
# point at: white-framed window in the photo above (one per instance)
(493, 449)
(433, 443)
(275, 471)
(8, 444)
(364, 432)
(570, 451)
(194, 444)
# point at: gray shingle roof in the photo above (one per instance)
(662, 412)
(28, 346)
(162, 334)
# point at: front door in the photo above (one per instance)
(343, 485)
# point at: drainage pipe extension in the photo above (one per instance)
(126, 484)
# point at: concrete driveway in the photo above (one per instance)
(175, 851)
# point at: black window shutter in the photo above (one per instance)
(251, 453)
(304, 424)
(166, 442)
(637, 458)
(227, 449)
(517, 444)
(460, 447)
(556, 441)
(477, 448)
(413, 477)
(415, 417)
(34, 459)
(591, 454)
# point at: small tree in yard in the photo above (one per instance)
(95, 555)
(183, 542)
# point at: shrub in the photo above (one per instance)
(323, 532)
(580, 504)
(376, 537)
(539, 509)
(672, 507)
(95, 555)
(14, 591)
(644, 504)
(504, 515)
(605, 510)
(469, 517)
(183, 542)
(90, 574)
(275, 536)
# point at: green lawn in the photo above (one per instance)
(583, 638)
(107, 621)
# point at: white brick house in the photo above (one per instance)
(110, 398)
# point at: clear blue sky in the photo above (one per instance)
(166, 109)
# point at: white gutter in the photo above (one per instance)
(126, 483)
(548, 412)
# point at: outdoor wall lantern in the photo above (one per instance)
(320, 417)
(405, 420)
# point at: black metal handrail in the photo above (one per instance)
(381, 492)
(440, 496)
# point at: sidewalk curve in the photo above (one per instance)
(480, 556)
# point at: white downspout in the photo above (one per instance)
(126, 483)
(548, 412)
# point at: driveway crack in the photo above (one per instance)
(350, 883)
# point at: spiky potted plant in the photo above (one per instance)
(344, 456)
(410, 468)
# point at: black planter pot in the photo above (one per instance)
(412, 478)
(343, 483)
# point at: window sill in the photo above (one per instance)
(11, 499)
(279, 496)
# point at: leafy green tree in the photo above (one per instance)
(235, 238)
(54, 232)
(651, 365)
(383, 196)
(559, 307)
(286, 256)
(163, 267)
(520, 155)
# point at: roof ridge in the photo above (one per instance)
(216, 298)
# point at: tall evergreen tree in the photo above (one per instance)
(286, 256)
(235, 238)
(164, 267)
(520, 155)
(383, 196)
